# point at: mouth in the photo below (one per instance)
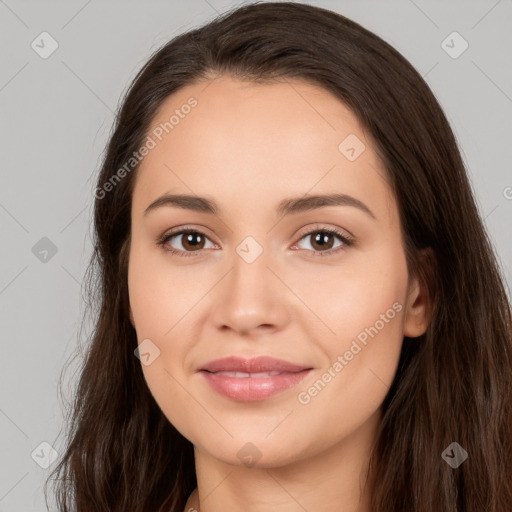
(267, 366)
(253, 386)
(245, 375)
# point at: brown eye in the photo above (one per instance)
(322, 241)
(192, 240)
(186, 241)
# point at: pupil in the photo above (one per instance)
(189, 239)
(321, 240)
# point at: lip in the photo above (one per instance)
(254, 365)
(251, 388)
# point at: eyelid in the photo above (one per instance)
(323, 227)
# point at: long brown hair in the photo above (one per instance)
(453, 384)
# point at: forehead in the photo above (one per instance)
(256, 143)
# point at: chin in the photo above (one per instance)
(257, 452)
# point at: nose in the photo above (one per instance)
(251, 297)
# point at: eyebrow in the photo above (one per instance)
(290, 206)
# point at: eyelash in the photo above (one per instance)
(348, 241)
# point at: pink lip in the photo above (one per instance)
(250, 389)
(257, 364)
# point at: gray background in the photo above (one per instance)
(57, 114)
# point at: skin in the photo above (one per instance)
(248, 146)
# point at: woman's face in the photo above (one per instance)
(261, 276)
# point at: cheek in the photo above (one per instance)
(364, 290)
(363, 309)
(157, 305)
(360, 366)
(157, 296)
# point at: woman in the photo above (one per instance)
(300, 308)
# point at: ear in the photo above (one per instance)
(418, 307)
